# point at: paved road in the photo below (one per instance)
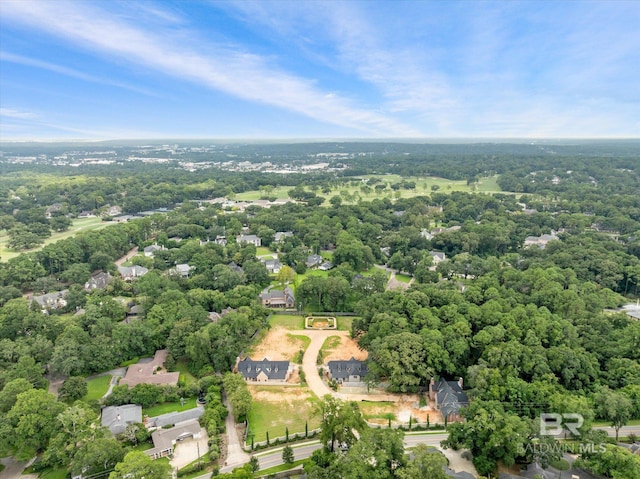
(273, 457)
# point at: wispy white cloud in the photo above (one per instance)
(177, 53)
(510, 69)
(70, 72)
(17, 114)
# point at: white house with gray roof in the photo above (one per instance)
(117, 418)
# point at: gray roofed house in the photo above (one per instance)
(540, 241)
(273, 265)
(151, 249)
(117, 418)
(250, 239)
(175, 417)
(314, 260)
(53, 300)
(348, 371)
(183, 270)
(438, 256)
(326, 266)
(449, 397)
(131, 272)
(98, 281)
(164, 440)
(264, 370)
(275, 298)
(281, 235)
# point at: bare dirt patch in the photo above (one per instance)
(278, 395)
(348, 347)
(277, 345)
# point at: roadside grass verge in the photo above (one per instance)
(403, 278)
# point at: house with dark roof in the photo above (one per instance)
(117, 418)
(98, 281)
(264, 371)
(449, 397)
(235, 267)
(276, 298)
(350, 371)
(437, 256)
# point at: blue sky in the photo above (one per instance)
(109, 69)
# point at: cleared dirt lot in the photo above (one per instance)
(278, 345)
(347, 348)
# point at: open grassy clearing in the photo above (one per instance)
(280, 192)
(344, 322)
(164, 408)
(84, 224)
(284, 467)
(287, 321)
(276, 408)
(403, 278)
(351, 193)
(185, 375)
(378, 410)
(97, 387)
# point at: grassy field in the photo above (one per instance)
(164, 408)
(97, 387)
(84, 224)
(185, 375)
(344, 322)
(351, 193)
(276, 408)
(287, 321)
(403, 278)
(377, 410)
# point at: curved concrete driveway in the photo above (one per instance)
(310, 368)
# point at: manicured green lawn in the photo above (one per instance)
(403, 278)
(344, 322)
(280, 192)
(263, 251)
(377, 410)
(158, 409)
(97, 387)
(287, 321)
(84, 224)
(632, 422)
(560, 465)
(124, 364)
(279, 407)
(49, 473)
(185, 375)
